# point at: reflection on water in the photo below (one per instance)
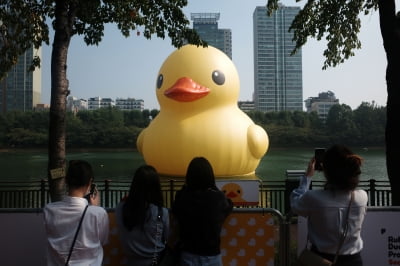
(120, 165)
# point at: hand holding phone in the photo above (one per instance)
(92, 193)
(319, 155)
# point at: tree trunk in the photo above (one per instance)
(390, 29)
(59, 93)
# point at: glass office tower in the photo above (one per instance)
(278, 82)
(206, 25)
(21, 89)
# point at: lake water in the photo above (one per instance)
(120, 164)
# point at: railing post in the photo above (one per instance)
(42, 193)
(291, 182)
(287, 224)
(107, 193)
(287, 193)
(171, 192)
(372, 189)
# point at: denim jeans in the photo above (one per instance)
(189, 259)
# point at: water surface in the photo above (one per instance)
(120, 164)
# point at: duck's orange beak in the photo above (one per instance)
(186, 90)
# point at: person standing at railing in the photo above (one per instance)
(76, 227)
(336, 213)
(142, 221)
(200, 209)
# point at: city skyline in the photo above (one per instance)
(128, 67)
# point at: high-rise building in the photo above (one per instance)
(278, 82)
(206, 25)
(21, 89)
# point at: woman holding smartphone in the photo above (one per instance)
(335, 214)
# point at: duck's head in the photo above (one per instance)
(197, 78)
(232, 191)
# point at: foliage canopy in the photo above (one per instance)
(336, 20)
(24, 23)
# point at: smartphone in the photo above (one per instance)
(93, 191)
(318, 155)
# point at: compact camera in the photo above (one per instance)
(318, 155)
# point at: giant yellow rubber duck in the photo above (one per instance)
(198, 89)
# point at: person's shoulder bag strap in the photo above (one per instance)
(346, 228)
(76, 235)
(158, 235)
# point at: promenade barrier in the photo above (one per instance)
(272, 194)
(252, 236)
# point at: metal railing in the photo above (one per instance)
(272, 194)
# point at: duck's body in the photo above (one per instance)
(203, 119)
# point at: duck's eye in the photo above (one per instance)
(218, 77)
(160, 80)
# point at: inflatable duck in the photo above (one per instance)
(198, 89)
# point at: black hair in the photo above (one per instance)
(341, 168)
(79, 174)
(200, 174)
(145, 189)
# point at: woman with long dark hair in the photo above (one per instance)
(200, 209)
(336, 213)
(142, 220)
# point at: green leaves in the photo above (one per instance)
(23, 23)
(22, 26)
(364, 126)
(335, 20)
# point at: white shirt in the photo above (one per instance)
(61, 221)
(326, 212)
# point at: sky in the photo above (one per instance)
(122, 67)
